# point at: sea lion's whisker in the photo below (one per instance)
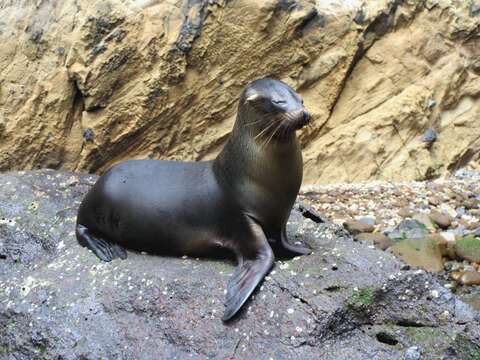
(272, 135)
(254, 122)
(264, 130)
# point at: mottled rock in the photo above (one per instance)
(58, 301)
(408, 229)
(425, 220)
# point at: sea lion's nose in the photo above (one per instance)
(306, 117)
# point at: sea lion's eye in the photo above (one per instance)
(279, 102)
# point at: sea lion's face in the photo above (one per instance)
(278, 109)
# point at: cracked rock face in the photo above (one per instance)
(345, 301)
(84, 84)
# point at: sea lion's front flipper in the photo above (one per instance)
(295, 249)
(105, 250)
(248, 274)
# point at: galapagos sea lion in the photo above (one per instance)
(240, 201)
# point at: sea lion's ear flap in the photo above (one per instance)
(252, 96)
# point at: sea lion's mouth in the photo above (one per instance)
(280, 126)
(288, 123)
(298, 119)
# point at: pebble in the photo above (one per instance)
(413, 353)
(405, 212)
(442, 220)
(356, 227)
(470, 278)
(434, 200)
(425, 220)
(383, 242)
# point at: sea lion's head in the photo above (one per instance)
(273, 110)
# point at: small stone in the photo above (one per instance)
(474, 9)
(468, 225)
(412, 353)
(431, 103)
(408, 229)
(448, 210)
(378, 239)
(356, 227)
(442, 220)
(471, 204)
(434, 200)
(429, 136)
(425, 220)
(371, 220)
(456, 275)
(470, 278)
(405, 212)
(460, 211)
(448, 236)
(88, 134)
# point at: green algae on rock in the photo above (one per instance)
(468, 248)
(424, 253)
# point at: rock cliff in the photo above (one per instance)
(393, 85)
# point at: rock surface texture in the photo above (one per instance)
(347, 300)
(392, 85)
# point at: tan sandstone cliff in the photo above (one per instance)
(86, 83)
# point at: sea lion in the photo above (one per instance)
(240, 201)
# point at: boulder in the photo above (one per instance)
(345, 301)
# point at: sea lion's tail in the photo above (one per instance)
(104, 249)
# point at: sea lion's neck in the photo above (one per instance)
(249, 156)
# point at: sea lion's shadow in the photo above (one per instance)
(216, 253)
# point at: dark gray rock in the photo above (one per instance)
(429, 136)
(476, 232)
(58, 301)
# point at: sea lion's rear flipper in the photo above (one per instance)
(105, 250)
(248, 274)
(294, 249)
